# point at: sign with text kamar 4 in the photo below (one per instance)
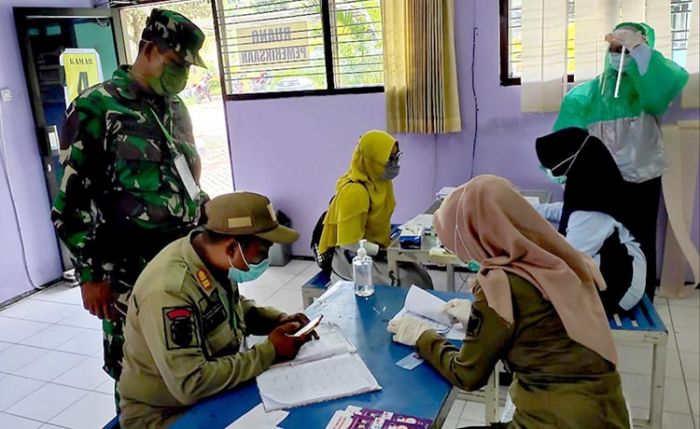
(82, 69)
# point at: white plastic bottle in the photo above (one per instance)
(362, 272)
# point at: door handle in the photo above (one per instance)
(52, 137)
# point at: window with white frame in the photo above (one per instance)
(272, 48)
(511, 47)
(680, 27)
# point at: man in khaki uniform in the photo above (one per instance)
(187, 321)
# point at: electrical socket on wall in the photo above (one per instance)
(6, 95)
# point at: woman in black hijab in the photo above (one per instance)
(597, 215)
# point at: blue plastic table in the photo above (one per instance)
(421, 392)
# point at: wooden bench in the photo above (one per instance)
(640, 326)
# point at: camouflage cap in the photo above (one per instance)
(171, 30)
(247, 213)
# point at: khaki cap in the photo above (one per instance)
(247, 213)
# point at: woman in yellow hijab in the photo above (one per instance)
(362, 208)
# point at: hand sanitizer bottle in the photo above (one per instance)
(362, 272)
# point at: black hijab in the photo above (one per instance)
(593, 181)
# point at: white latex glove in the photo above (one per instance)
(628, 38)
(459, 309)
(407, 330)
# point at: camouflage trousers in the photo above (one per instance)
(113, 344)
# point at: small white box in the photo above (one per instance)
(6, 95)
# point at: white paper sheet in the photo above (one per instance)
(331, 342)
(427, 308)
(421, 222)
(427, 305)
(509, 410)
(456, 332)
(341, 420)
(532, 200)
(445, 191)
(259, 419)
(317, 381)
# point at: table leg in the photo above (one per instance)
(393, 264)
(445, 409)
(491, 398)
(450, 277)
(658, 377)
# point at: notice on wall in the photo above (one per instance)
(82, 69)
(281, 45)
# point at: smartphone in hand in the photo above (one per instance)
(309, 327)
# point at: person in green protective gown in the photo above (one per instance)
(626, 116)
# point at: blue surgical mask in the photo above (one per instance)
(557, 180)
(253, 273)
(561, 180)
(472, 265)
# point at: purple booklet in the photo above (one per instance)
(377, 419)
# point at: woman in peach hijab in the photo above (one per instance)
(536, 308)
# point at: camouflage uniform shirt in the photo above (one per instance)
(121, 199)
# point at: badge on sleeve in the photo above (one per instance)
(180, 328)
(476, 319)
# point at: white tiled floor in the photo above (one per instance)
(51, 358)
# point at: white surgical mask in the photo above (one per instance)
(614, 59)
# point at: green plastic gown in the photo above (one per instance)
(630, 124)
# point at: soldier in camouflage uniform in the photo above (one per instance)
(131, 171)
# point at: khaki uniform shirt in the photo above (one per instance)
(184, 330)
(558, 383)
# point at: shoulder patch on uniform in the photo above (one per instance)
(180, 328)
(176, 274)
(476, 319)
(204, 280)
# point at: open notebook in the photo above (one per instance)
(427, 307)
(325, 369)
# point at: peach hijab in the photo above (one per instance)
(487, 220)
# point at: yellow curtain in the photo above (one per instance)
(420, 71)
(544, 38)
(691, 93)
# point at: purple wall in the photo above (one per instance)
(294, 149)
(24, 169)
